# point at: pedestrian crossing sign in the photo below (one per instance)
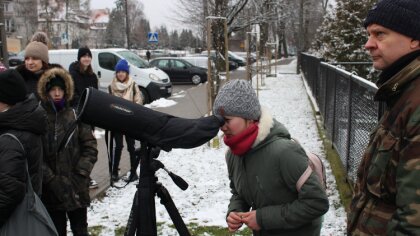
(152, 37)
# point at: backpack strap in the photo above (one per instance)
(302, 179)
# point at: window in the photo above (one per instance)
(107, 60)
(179, 64)
(134, 59)
(163, 63)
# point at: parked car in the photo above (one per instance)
(232, 65)
(232, 57)
(16, 60)
(180, 70)
(152, 82)
(238, 59)
(199, 61)
(252, 56)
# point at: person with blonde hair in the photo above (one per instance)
(125, 87)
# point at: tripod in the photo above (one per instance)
(142, 219)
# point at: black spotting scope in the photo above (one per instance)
(113, 113)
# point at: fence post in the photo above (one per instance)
(316, 76)
(327, 74)
(334, 88)
(350, 115)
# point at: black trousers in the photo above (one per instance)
(118, 137)
(77, 218)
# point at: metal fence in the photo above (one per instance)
(347, 107)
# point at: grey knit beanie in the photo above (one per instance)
(402, 16)
(237, 98)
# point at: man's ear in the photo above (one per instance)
(415, 44)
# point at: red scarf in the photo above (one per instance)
(242, 142)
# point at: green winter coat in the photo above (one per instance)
(66, 173)
(265, 178)
(386, 197)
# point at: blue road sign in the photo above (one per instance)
(152, 37)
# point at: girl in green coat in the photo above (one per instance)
(264, 165)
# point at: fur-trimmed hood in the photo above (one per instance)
(266, 125)
(50, 74)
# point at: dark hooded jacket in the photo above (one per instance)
(31, 78)
(27, 120)
(66, 172)
(265, 177)
(81, 81)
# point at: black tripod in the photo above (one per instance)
(142, 220)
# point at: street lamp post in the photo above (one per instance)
(67, 24)
(127, 29)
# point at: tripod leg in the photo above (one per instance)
(166, 200)
(146, 224)
(131, 227)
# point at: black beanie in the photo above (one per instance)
(12, 87)
(56, 81)
(402, 16)
(83, 51)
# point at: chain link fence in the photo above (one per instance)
(348, 110)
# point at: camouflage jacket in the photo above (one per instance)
(386, 198)
(66, 172)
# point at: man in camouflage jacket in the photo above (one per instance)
(386, 198)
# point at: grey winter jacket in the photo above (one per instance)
(264, 179)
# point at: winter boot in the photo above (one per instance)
(115, 166)
(133, 163)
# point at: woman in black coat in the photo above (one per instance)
(83, 77)
(36, 63)
(23, 117)
(82, 73)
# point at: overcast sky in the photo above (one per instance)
(158, 12)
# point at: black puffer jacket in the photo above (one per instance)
(81, 81)
(28, 122)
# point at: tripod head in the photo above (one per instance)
(151, 154)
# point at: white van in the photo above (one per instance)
(153, 82)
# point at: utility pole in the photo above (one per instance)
(67, 24)
(205, 14)
(127, 29)
(300, 36)
(4, 54)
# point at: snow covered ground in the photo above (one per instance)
(205, 201)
